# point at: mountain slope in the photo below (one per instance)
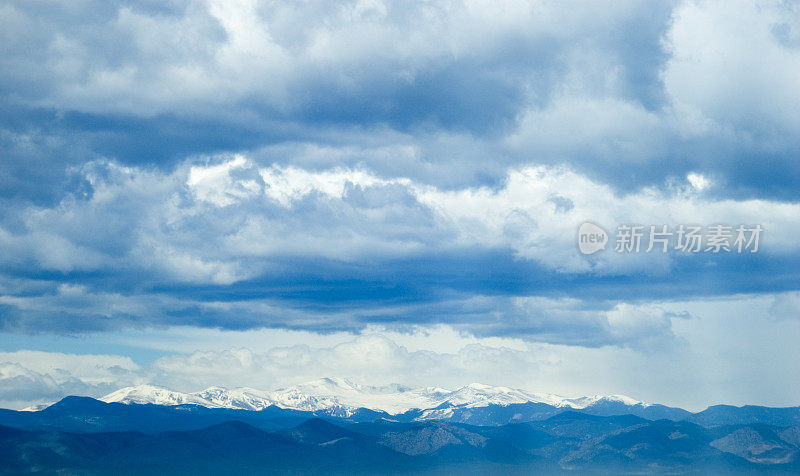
(569, 443)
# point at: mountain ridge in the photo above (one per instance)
(344, 397)
(568, 443)
(474, 404)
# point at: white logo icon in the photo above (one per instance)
(591, 238)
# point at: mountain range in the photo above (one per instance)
(79, 435)
(334, 426)
(475, 404)
(342, 397)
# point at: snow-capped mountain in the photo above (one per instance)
(157, 395)
(242, 398)
(342, 397)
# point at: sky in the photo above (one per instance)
(206, 192)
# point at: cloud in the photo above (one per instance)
(786, 306)
(719, 54)
(217, 214)
(729, 68)
(631, 95)
(722, 348)
(330, 167)
(34, 377)
(369, 358)
(376, 57)
(203, 243)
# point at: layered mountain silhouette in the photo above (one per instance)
(568, 443)
(81, 435)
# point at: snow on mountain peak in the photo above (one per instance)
(341, 397)
(583, 402)
(241, 397)
(157, 395)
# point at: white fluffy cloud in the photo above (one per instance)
(201, 54)
(737, 63)
(229, 219)
(724, 349)
(35, 377)
(222, 222)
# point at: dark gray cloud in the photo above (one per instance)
(631, 94)
(224, 243)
